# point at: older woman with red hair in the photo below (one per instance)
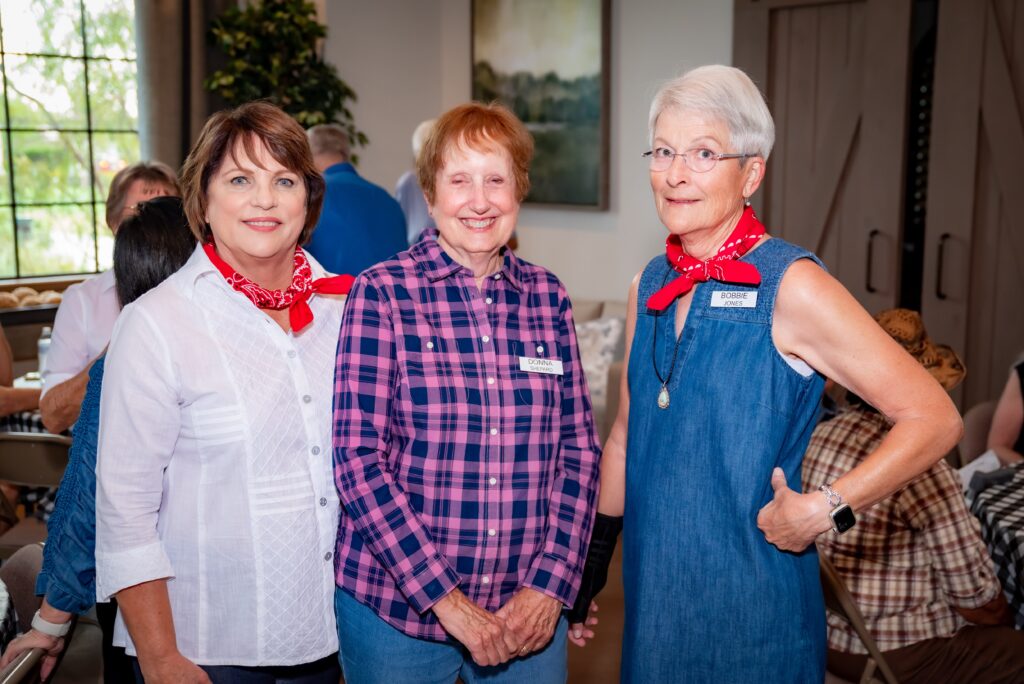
(464, 445)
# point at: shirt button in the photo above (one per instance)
(490, 381)
(491, 533)
(327, 556)
(291, 354)
(540, 349)
(306, 398)
(485, 338)
(497, 276)
(485, 579)
(493, 481)
(488, 301)
(323, 500)
(315, 450)
(430, 345)
(494, 431)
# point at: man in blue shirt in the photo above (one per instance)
(361, 224)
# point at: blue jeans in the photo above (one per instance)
(374, 652)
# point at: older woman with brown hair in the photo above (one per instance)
(216, 510)
(731, 333)
(464, 445)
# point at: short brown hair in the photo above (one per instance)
(280, 134)
(154, 172)
(479, 126)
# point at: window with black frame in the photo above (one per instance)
(68, 123)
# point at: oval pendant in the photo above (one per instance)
(663, 398)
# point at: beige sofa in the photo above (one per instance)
(585, 310)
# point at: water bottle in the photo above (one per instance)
(44, 347)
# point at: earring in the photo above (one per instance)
(746, 201)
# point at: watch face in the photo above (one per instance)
(842, 518)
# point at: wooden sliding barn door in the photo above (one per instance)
(973, 295)
(835, 74)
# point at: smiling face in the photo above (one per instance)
(692, 204)
(475, 206)
(256, 209)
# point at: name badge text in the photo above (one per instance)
(741, 299)
(547, 366)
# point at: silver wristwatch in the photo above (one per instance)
(841, 516)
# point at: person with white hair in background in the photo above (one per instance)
(730, 335)
(408, 191)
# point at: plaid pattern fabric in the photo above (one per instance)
(26, 421)
(455, 467)
(911, 558)
(1001, 511)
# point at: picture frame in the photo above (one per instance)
(548, 61)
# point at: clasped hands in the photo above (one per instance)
(523, 625)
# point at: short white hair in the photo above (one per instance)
(329, 139)
(420, 135)
(724, 93)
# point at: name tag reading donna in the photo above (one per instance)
(734, 299)
(547, 366)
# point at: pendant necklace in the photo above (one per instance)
(663, 397)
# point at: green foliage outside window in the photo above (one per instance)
(271, 50)
(63, 141)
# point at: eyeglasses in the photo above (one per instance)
(699, 159)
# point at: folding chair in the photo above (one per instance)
(30, 459)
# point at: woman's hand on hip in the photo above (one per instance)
(531, 618)
(481, 632)
(792, 521)
(173, 668)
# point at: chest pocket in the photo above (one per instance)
(534, 389)
(440, 381)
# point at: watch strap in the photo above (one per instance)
(54, 629)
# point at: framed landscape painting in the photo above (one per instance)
(547, 61)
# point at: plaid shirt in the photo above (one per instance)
(455, 467)
(911, 559)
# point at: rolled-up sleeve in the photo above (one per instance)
(557, 571)
(139, 424)
(365, 381)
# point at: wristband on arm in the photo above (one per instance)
(595, 569)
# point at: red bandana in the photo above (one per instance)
(295, 298)
(722, 266)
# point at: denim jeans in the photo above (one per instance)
(374, 652)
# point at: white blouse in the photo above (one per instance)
(81, 329)
(214, 470)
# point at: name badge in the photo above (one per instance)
(735, 299)
(547, 366)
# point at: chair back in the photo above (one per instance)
(33, 459)
(977, 422)
(839, 600)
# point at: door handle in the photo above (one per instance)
(939, 293)
(871, 260)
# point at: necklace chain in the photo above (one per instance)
(663, 394)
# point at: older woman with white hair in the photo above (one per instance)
(731, 335)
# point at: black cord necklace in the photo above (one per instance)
(663, 398)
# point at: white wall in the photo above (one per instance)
(409, 61)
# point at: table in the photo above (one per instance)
(1000, 508)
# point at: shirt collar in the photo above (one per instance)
(436, 265)
(341, 167)
(199, 266)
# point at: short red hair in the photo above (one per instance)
(481, 127)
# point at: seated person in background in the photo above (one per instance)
(1006, 436)
(88, 310)
(408, 191)
(150, 246)
(915, 562)
(13, 399)
(361, 224)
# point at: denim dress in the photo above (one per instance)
(707, 598)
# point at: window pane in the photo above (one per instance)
(110, 28)
(112, 97)
(51, 167)
(46, 92)
(105, 238)
(48, 26)
(6, 244)
(54, 240)
(5, 179)
(112, 152)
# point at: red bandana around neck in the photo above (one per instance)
(295, 298)
(722, 266)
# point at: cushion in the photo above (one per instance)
(598, 341)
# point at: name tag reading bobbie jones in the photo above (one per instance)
(532, 365)
(735, 299)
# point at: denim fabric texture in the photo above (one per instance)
(707, 598)
(68, 577)
(374, 652)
